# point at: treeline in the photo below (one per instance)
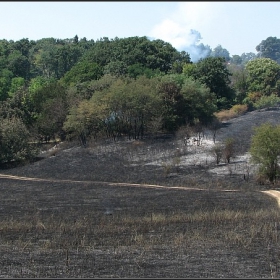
(71, 88)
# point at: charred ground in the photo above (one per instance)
(149, 208)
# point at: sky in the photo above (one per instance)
(237, 26)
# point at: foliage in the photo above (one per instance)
(138, 69)
(188, 69)
(199, 102)
(5, 83)
(219, 51)
(16, 107)
(246, 57)
(116, 68)
(41, 80)
(52, 58)
(83, 71)
(270, 48)
(85, 119)
(78, 92)
(16, 84)
(49, 106)
(184, 101)
(233, 112)
(239, 109)
(133, 104)
(236, 59)
(212, 72)
(263, 74)
(169, 88)
(135, 55)
(38, 82)
(127, 107)
(239, 82)
(265, 150)
(14, 140)
(267, 101)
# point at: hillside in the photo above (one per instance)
(241, 128)
(147, 161)
(149, 208)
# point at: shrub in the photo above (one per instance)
(14, 141)
(265, 150)
(217, 151)
(235, 111)
(239, 109)
(266, 101)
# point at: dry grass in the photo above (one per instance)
(235, 111)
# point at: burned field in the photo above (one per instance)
(149, 208)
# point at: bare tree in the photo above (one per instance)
(229, 149)
(214, 126)
(217, 151)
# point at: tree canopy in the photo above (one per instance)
(265, 150)
(263, 74)
(212, 72)
(269, 48)
(128, 86)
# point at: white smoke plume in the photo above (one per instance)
(195, 49)
(180, 28)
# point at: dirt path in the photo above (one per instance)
(275, 194)
(11, 177)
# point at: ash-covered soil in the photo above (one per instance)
(55, 211)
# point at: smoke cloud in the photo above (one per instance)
(180, 28)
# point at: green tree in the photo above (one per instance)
(267, 101)
(127, 107)
(213, 72)
(239, 82)
(116, 68)
(16, 84)
(185, 101)
(199, 103)
(228, 151)
(5, 83)
(133, 104)
(37, 83)
(169, 89)
(24, 46)
(45, 59)
(14, 141)
(16, 106)
(246, 57)
(141, 52)
(263, 74)
(188, 69)
(269, 48)
(18, 64)
(265, 150)
(138, 69)
(66, 56)
(83, 71)
(236, 59)
(85, 120)
(219, 51)
(49, 107)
